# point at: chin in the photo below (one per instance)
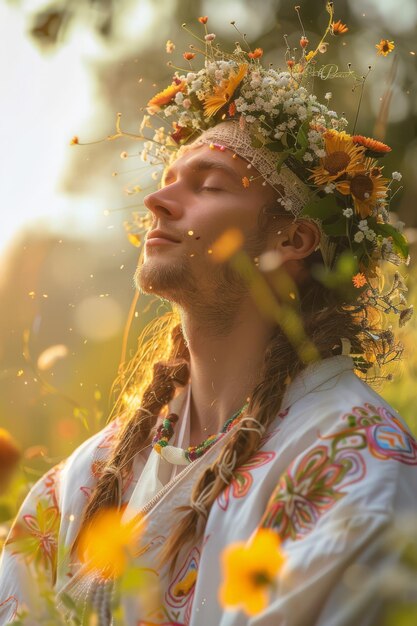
(171, 281)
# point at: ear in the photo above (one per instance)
(298, 240)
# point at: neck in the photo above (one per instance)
(224, 365)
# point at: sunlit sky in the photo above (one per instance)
(46, 99)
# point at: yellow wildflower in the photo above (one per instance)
(384, 47)
(106, 543)
(249, 571)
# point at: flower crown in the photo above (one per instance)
(340, 180)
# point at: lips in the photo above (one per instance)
(159, 234)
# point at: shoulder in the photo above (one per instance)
(82, 468)
(348, 453)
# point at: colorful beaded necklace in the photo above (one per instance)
(166, 430)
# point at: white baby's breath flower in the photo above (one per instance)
(348, 212)
(363, 225)
(328, 95)
(329, 188)
(359, 236)
(320, 153)
(308, 157)
(396, 176)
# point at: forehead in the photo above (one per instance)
(201, 158)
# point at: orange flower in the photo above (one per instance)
(188, 55)
(180, 132)
(359, 280)
(232, 109)
(256, 54)
(224, 92)
(245, 181)
(371, 145)
(290, 63)
(164, 97)
(338, 28)
(384, 47)
(304, 42)
(249, 571)
(203, 20)
(74, 141)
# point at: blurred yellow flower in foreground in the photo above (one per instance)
(107, 543)
(249, 571)
(227, 244)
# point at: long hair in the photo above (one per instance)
(163, 360)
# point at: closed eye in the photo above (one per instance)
(207, 188)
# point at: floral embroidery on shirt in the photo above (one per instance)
(35, 536)
(180, 593)
(243, 479)
(385, 435)
(51, 482)
(11, 605)
(313, 484)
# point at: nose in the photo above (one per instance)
(164, 203)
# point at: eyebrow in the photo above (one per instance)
(202, 165)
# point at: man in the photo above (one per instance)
(252, 419)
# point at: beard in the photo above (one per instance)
(213, 300)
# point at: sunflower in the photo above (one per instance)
(342, 156)
(224, 91)
(366, 187)
(384, 47)
(373, 147)
(164, 97)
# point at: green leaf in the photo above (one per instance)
(257, 143)
(321, 208)
(335, 229)
(275, 146)
(302, 138)
(398, 239)
(281, 160)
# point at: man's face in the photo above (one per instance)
(202, 196)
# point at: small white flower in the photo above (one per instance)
(179, 97)
(308, 157)
(186, 103)
(396, 176)
(320, 153)
(359, 236)
(370, 234)
(328, 95)
(210, 37)
(348, 212)
(363, 225)
(330, 188)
